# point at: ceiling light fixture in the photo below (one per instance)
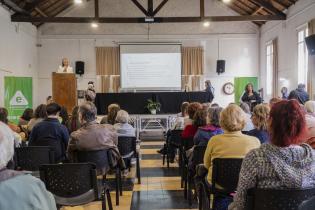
(226, 1)
(94, 25)
(78, 1)
(206, 23)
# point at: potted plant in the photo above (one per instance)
(153, 106)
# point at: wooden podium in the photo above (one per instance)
(64, 90)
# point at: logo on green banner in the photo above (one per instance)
(18, 96)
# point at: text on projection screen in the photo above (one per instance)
(150, 67)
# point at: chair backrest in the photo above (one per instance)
(127, 145)
(176, 137)
(31, 157)
(277, 199)
(198, 154)
(187, 143)
(98, 157)
(70, 179)
(225, 173)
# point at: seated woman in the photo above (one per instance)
(112, 110)
(284, 163)
(191, 129)
(14, 129)
(231, 144)
(251, 97)
(74, 122)
(26, 117)
(28, 191)
(248, 122)
(182, 119)
(39, 115)
(310, 122)
(206, 131)
(259, 119)
(122, 127)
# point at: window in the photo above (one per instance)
(302, 55)
(269, 68)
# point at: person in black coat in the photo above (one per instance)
(210, 90)
(251, 97)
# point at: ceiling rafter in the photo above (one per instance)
(269, 7)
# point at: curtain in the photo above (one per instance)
(192, 61)
(195, 83)
(107, 61)
(311, 64)
(105, 84)
(116, 83)
(275, 67)
(185, 83)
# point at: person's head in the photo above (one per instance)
(286, 123)
(6, 148)
(232, 118)
(53, 110)
(245, 107)
(122, 116)
(4, 115)
(87, 112)
(112, 113)
(249, 88)
(64, 115)
(294, 95)
(27, 114)
(310, 107)
(207, 83)
(214, 115)
(274, 101)
(260, 116)
(184, 108)
(214, 105)
(49, 100)
(75, 112)
(206, 106)
(40, 112)
(192, 108)
(301, 86)
(65, 62)
(284, 90)
(200, 118)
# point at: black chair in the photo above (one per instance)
(30, 158)
(173, 142)
(102, 162)
(277, 199)
(127, 147)
(308, 204)
(197, 158)
(186, 144)
(74, 184)
(225, 173)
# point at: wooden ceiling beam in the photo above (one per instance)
(268, 6)
(202, 8)
(150, 8)
(161, 5)
(96, 8)
(18, 18)
(13, 6)
(144, 11)
(39, 11)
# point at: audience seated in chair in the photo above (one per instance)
(212, 128)
(50, 132)
(19, 190)
(182, 118)
(274, 101)
(74, 122)
(91, 136)
(122, 127)
(39, 115)
(191, 129)
(14, 129)
(310, 122)
(248, 122)
(26, 117)
(259, 118)
(111, 114)
(285, 163)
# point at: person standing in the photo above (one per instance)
(209, 89)
(65, 67)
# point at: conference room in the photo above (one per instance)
(157, 104)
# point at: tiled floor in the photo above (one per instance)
(159, 188)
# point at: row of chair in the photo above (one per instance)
(60, 177)
(225, 175)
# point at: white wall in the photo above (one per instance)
(236, 42)
(286, 32)
(18, 52)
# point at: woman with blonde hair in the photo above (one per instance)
(122, 127)
(112, 110)
(259, 118)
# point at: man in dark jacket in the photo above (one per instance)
(303, 95)
(50, 132)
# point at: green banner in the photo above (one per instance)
(239, 86)
(18, 95)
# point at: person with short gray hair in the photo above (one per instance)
(92, 135)
(24, 188)
(122, 127)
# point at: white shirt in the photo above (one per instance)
(68, 70)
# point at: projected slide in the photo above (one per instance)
(151, 68)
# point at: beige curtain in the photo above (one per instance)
(311, 64)
(105, 84)
(107, 61)
(115, 83)
(192, 61)
(195, 83)
(275, 68)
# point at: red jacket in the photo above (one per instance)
(189, 131)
